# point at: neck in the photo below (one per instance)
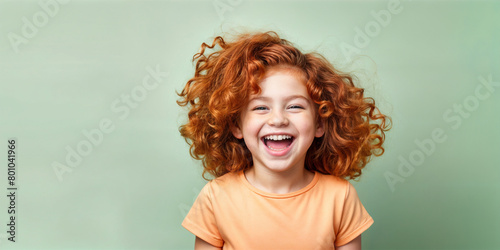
(279, 182)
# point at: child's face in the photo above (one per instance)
(279, 125)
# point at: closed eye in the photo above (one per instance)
(295, 107)
(260, 108)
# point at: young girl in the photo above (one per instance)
(281, 131)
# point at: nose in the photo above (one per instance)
(277, 119)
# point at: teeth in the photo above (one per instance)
(278, 137)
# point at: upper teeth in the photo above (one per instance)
(277, 137)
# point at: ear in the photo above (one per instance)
(237, 132)
(320, 131)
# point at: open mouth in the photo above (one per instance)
(278, 142)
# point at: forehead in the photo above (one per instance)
(282, 83)
(298, 73)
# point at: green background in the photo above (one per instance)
(132, 190)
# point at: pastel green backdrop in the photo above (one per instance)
(71, 71)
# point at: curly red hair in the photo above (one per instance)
(224, 80)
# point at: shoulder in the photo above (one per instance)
(331, 181)
(227, 182)
(338, 187)
(216, 192)
(228, 179)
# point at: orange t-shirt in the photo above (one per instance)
(231, 213)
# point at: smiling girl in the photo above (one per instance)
(281, 131)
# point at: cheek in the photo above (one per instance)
(306, 122)
(250, 125)
(307, 127)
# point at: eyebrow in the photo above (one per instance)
(288, 98)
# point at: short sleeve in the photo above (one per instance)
(201, 221)
(354, 218)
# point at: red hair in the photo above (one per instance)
(224, 79)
